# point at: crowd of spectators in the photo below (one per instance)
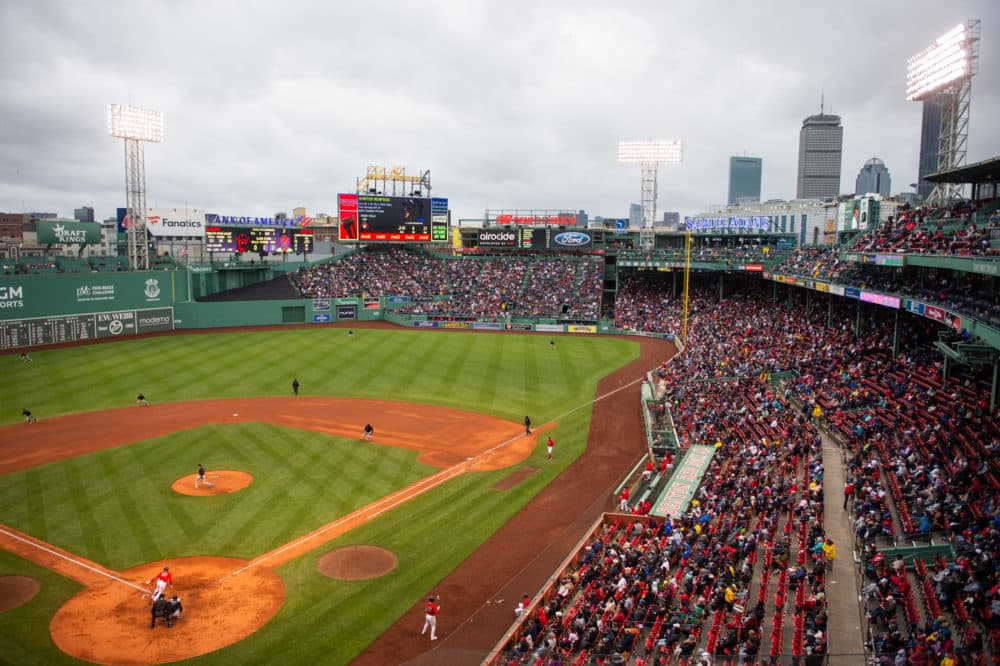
(930, 230)
(922, 462)
(487, 286)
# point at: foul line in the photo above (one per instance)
(71, 560)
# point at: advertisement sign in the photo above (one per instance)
(154, 320)
(321, 305)
(518, 327)
(937, 314)
(549, 328)
(575, 328)
(215, 219)
(174, 222)
(114, 324)
(347, 312)
(570, 240)
(836, 289)
(531, 219)
(51, 232)
(915, 307)
(365, 217)
(498, 238)
(755, 222)
(889, 260)
(753, 268)
(322, 318)
(486, 326)
(851, 292)
(880, 299)
(425, 324)
(822, 286)
(371, 303)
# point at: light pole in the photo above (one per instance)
(649, 155)
(136, 126)
(944, 70)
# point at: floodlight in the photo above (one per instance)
(633, 152)
(133, 122)
(949, 59)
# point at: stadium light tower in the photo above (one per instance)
(136, 126)
(946, 68)
(649, 155)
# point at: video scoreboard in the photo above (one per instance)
(258, 239)
(369, 217)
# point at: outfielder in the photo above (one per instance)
(162, 579)
(201, 477)
(431, 609)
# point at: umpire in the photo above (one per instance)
(161, 608)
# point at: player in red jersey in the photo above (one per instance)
(431, 610)
(163, 579)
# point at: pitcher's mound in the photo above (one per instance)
(223, 481)
(357, 563)
(16, 591)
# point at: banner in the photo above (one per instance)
(573, 328)
(175, 222)
(456, 324)
(518, 327)
(486, 326)
(347, 312)
(68, 233)
(321, 305)
(549, 328)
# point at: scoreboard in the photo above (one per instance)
(369, 217)
(74, 328)
(257, 239)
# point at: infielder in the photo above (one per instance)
(201, 477)
(162, 579)
(431, 609)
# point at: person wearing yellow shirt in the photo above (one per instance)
(829, 552)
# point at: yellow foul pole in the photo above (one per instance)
(687, 277)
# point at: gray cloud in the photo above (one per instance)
(512, 104)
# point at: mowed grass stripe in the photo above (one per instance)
(460, 355)
(492, 348)
(90, 530)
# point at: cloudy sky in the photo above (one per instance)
(509, 104)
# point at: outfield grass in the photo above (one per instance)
(116, 506)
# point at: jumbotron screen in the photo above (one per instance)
(257, 239)
(369, 217)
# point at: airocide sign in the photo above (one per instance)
(498, 238)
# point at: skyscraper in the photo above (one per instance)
(930, 130)
(744, 179)
(821, 144)
(873, 179)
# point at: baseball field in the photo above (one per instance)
(97, 496)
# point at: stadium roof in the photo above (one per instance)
(986, 171)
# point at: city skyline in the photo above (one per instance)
(271, 113)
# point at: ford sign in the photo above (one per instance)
(571, 239)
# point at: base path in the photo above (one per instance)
(444, 436)
(523, 553)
